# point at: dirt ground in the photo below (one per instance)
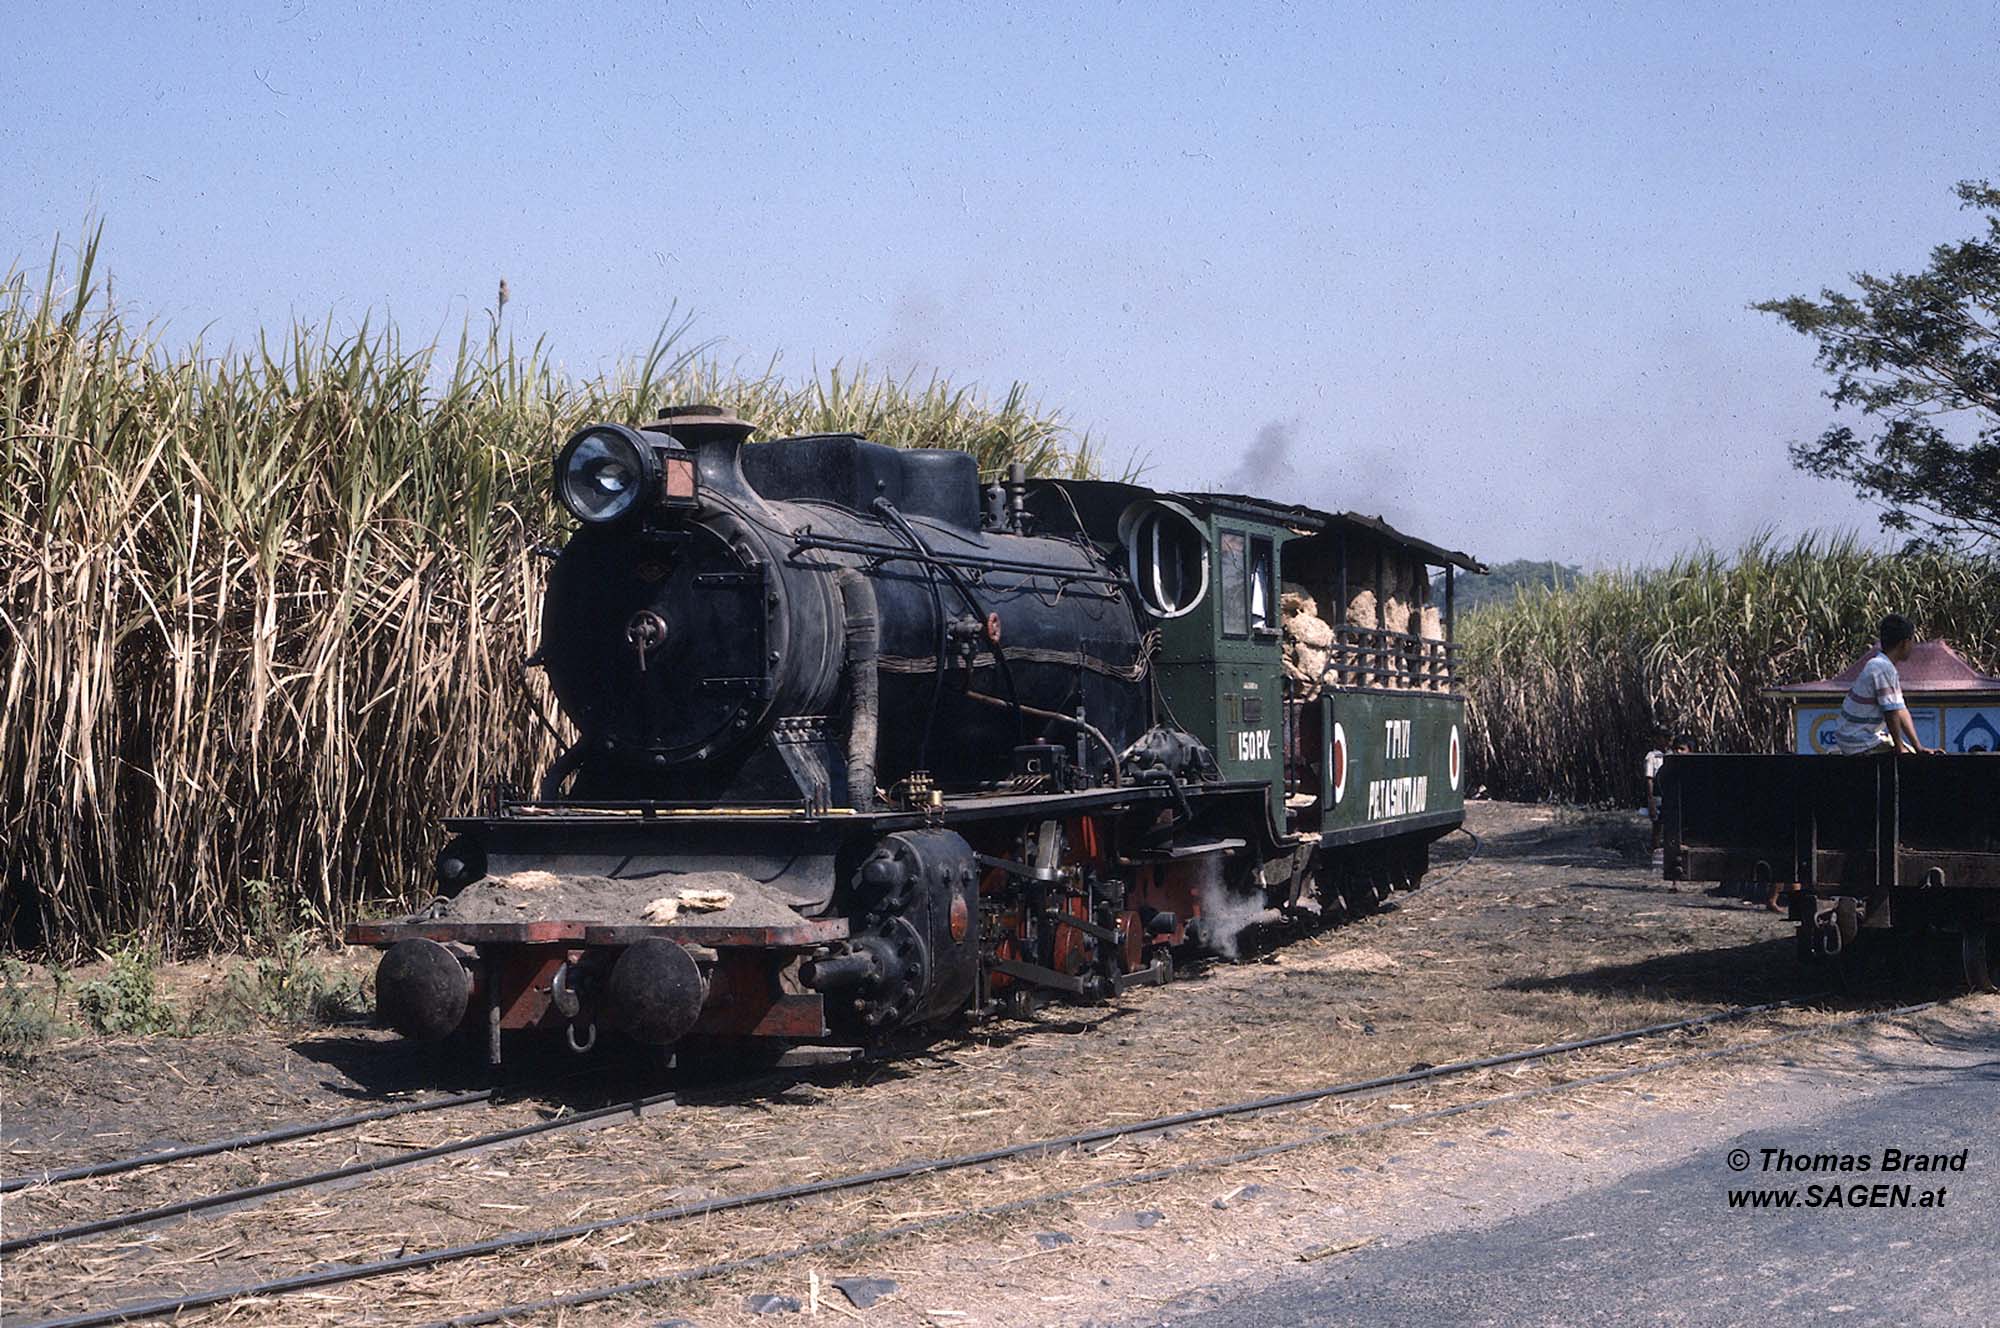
(1558, 928)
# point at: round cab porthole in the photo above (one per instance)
(1166, 553)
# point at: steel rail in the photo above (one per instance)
(705, 1272)
(300, 1130)
(248, 1193)
(341, 1272)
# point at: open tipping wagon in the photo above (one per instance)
(1897, 844)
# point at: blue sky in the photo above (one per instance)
(1487, 265)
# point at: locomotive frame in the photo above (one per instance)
(988, 876)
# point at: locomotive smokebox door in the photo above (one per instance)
(660, 658)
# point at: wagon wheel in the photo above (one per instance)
(1361, 893)
(1975, 947)
(1850, 973)
(1906, 958)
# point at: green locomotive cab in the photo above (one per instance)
(1323, 666)
(1312, 652)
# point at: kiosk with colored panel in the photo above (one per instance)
(1952, 704)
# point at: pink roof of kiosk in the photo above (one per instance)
(1932, 669)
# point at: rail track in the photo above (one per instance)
(705, 1272)
(219, 1200)
(293, 1131)
(250, 1193)
(237, 1143)
(361, 1270)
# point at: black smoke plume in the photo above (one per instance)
(1265, 465)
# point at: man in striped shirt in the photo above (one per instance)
(1873, 717)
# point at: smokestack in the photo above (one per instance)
(714, 436)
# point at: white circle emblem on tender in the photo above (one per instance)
(1339, 763)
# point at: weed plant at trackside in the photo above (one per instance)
(263, 611)
(28, 1016)
(288, 986)
(127, 999)
(1569, 688)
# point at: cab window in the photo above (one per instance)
(1262, 584)
(1234, 546)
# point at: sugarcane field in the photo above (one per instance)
(730, 664)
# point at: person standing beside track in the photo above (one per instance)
(1654, 760)
(1873, 717)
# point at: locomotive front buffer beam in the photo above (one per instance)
(655, 985)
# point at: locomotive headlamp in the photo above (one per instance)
(607, 473)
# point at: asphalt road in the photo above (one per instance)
(1663, 1246)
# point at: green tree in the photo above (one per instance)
(1917, 355)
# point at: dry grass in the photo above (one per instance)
(262, 611)
(1568, 688)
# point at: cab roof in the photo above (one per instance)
(1099, 501)
(1312, 520)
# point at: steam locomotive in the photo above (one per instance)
(863, 744)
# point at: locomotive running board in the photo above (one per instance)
(444, 931)
(1199, 848)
